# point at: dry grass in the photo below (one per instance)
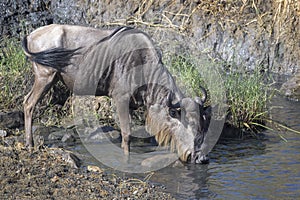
(176, 16)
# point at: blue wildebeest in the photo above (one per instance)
(123, 64)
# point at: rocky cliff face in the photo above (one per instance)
(252, 34)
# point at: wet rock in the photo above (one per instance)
(68, 138)
(103, 133)
(291, 88)
(72, 159)
(13, 119)
(59, 134)
(55, 136)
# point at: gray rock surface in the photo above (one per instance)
(291, 88)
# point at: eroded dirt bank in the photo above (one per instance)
(251, 34)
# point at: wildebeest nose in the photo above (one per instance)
(202, 159)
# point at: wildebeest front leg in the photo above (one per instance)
(124, 118)
(43, 81)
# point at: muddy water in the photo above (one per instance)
(259, 168)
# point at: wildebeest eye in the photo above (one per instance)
(174, 113)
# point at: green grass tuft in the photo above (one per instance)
(15, 74)
(16, 80)
(245, 94)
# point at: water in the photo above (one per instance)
(258, 168)
(264, 168)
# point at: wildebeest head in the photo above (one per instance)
(180, 125)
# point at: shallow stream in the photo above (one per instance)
(266, 167)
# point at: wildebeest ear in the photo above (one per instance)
(175, 112)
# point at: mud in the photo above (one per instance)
(44, 173)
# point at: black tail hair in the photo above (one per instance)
(57, 58)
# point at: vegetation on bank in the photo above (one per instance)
(245, 93)
(15, 74)
(16, 80)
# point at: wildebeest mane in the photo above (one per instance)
(57, 58)
(120, 29)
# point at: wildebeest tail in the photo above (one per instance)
(57, 58)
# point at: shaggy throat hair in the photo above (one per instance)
(166, 137)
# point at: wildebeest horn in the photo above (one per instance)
(202, 100)
(169, 102)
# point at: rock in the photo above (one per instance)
(56, 135)
(68, 138)
(62, 137)
(46, 133)
(291, 88)
(72, 159)
(20, 146)
(13, 119)
(93, 168)
(67, 156)
(3, 133)
(55, 179)
(43, 131)
(38, 141)
(102, 133)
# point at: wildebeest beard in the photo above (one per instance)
(167, 132)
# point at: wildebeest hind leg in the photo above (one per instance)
(124, 118)
(43, 81)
